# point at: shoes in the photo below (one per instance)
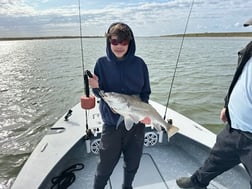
(186, 182)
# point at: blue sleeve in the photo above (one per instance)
(146, 91)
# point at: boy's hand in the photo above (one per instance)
(93, 82)
(146, 120)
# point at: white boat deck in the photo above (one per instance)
(160, 166)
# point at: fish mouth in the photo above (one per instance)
(102, 94)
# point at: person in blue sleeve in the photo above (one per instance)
(123, 72)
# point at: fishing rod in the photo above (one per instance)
(67, 177)
(176, 66)
(87, 101)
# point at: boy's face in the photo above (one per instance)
(119, 48)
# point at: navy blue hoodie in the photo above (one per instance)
(128, 75)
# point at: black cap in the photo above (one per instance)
(248, 23)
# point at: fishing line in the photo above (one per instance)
(81, 42)
(180, 50)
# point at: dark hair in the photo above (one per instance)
(121, 30)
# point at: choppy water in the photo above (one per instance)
(41, 79)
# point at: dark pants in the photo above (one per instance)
(232, 147)
(114, 142)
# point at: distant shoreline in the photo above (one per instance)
(219, 34)
(45, 37)
(231, 34)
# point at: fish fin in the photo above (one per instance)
(172, 131)
(128, 123)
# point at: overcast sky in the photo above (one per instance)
(29, 18)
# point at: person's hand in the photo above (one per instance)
(223, 115)
(146, 120)
(93, 82)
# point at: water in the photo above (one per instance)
(41, 79)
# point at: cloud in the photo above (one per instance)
(46, 17)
